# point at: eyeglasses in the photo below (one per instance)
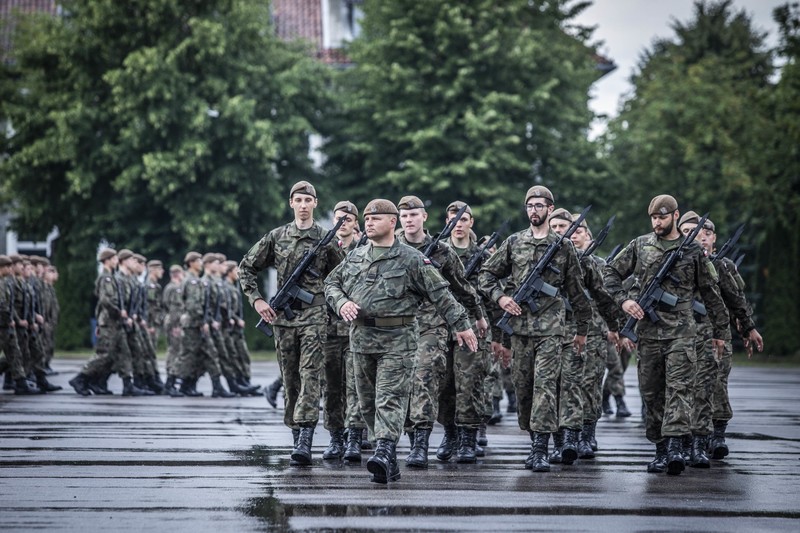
(538, 207)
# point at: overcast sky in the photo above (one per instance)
(627, 27)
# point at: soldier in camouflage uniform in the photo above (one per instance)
(299, 342)
(172, 301)
(35, 355)
(150, 377)
(538, 338)
(667, 357)
(155, 302)
(379, 288)
(708, 365)
(52, 312)
(431, 365)
(11, 363)
(617, 361)
(237, 345)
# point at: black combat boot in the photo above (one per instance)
(189, 388)
(383, 464)
(23, 386)
(569, 451)
(295, 436)
(155, 384)
(558, 442)
(365, 443)
(539, 446)
(246, 388)
(607, 410)
(686, 448)
(335, 449)
(129, 389)
(352, 453)
(271, 392)
(8, 383)
(233, 386)
(218, 390)
(659, 464)
(466, 445)
(585, 450)
(482, 439)
(479, 451)
(448, 444)
(512, 402)
(699, 458)
(44, 385)
(675, 462)
(592, 437)
(497, 415)
(99, 386)
(622, 409)
(171, 389)
(418, 458)
(301, 455)
(81, 384)
(717, 446)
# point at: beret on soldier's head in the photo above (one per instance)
(154, 263)
(210, 257)
(379, 206)
(175, 268)
(454, 207)
(5, 261)
(691, 217)
(15, 258)
(106, 254)
(663, 204)
(563, 214)
(303, 187)
(583, 223)
(35, 259)
(410, 202)
(229, 265)
(347, 207)
(124, 254)
(538, 191)
(140, 258)
(45, 261)
(191, 257)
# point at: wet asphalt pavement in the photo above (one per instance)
(69, 463)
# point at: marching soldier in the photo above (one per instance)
(11, 363)
(155, 302)
(172, 301)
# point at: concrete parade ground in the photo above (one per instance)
(108, 463)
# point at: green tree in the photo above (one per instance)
(474, 100)
(159, 125)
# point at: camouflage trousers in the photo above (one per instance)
(30, 346)
(722, 403)
(227, 364)
(240, 349)
(198, 355)
(12, 356)
(111, 354)
(492, 384)
(705, 380)
(353, 416)
(535, 370)
(666, 381)
(461, 395)
(570, 395)
(429, 375)
(149, 358)
(336, 354)
(596, 350)
(617, 364)
(174, 338)
(48, 342)
(383, 383)
(301, 360)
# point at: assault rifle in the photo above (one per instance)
(534, 283)
(477, 258)
(291, 289)
(600, 237)
(445, 233)
(653, 294)
(363, 240)
(614, 253)
(727, 248)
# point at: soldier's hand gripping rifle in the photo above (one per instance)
(653, 293)
(596, 243)
(728, 247)
(477, 258)
(445, 233)
(291, 289)
(534, 283)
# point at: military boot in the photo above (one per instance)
(699, 458)
(188, 388)
(23, 386)
(155, 384)
(592, 438)
(271, 392)
(585, 450)
(466, 445)
(365, 443)
(218, 390)
(233, 386)
(295, 436)
(418, 458)
(558, 442)
(99, 386)
(569, 451)
(622, 409)
(335, 449)
(8, 383)
(479, 451)
(686, 448)
(482, 439)
(512, 402)
(44, 385)
(246, 388)
(607, 410)
(352, 453)
(301, 455)
(717, 446)
(383, 464)
(448, 444)
(129, 389)
(659, 464)
(497, 415)
(81, 384)
(675, 461)
(539, 446)
(171, 389)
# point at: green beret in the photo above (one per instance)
(191, 257)
(5, 261)
(124, 254)
(380, 206)
(347, 207)
(538, 191)
(410, 202)
(106, 254)
(303, 187)
(456, 206)
(563, 214)
(663, 204)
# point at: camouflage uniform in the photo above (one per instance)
(172, 299)
(197, 349)
(111, 350)
(389, 289)
(236, 333)
(218, 307)
(667, 356)
(538, 338)
(298, 341)
(156, 311)
(12, 356)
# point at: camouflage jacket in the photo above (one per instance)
(641, 258)
(393, 285)
(155, 305)
(6, 302)
(731, 288)
(606, 314)
(172, 302)
(451, 270)
(466, 255)
(235, 303)
(283, 248)
(515, 257)
(109, 299)
(336, 326)
(196, 305)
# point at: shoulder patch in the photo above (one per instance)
(193, 282)
(425, 260)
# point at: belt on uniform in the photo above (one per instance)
(384, 322)
(680, 306)
(319, 299)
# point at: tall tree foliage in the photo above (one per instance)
(159, 125)
(475, 100)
